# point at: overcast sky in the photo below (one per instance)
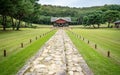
(79, 3)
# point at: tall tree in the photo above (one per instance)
(85, 21)
(94, 18)
(6, 8)
(98, 18)
(111, 16)
(24, 7)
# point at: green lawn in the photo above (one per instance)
(107, 39)
(11, 40)
(18, 56)
(100, 64)
(42, 26)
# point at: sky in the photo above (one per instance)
(78, 3)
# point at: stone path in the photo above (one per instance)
(58, 57)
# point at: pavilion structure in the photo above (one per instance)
(60, 21)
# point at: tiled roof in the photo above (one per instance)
(53, 19)
(117, 21)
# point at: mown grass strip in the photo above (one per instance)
(99, 64)
(11, 40)
(12, 64)
(106, 39)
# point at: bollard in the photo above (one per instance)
(108, 53)
(95, 46)
(83, 38)
(21, 45)
(40, 36)
(30, 40)
(36, 37)
(88, 42)
(5, 53)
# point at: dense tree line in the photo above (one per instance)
(17, 10)
(87, 16)
(107, 14)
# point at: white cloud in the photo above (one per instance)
(58, 2)
(79, 3)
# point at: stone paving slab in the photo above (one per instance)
(58, 57)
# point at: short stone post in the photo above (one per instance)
(83, 38)
(21, 45)
(5, 53)
(30, 40)
(95, 46)
(36, 37)
(88, 41)
(108, 53)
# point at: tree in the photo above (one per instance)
(111, 16)
(98, 18)
(112, 7)
(16, 9)
(24, 7)
(6, 8)
(85, 21)
(93, 18)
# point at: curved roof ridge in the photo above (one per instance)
(53, 19)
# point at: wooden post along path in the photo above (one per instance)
(108, 53)
(21, 45)
(5, 53)
(36, 37)
(88, 41)
(95, 46)
(83, 38)
(30, 40)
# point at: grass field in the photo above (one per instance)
(108, 39)
(11, 40)
(42, 26)
(16, 58)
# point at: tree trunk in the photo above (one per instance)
(31, 24)
(13, 24)
(93, 26)
(18, 26)
(98, 25)
(25, 25)
(4, 22)
(108, 24)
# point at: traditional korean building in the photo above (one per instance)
(60, 21)
(117, 24)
